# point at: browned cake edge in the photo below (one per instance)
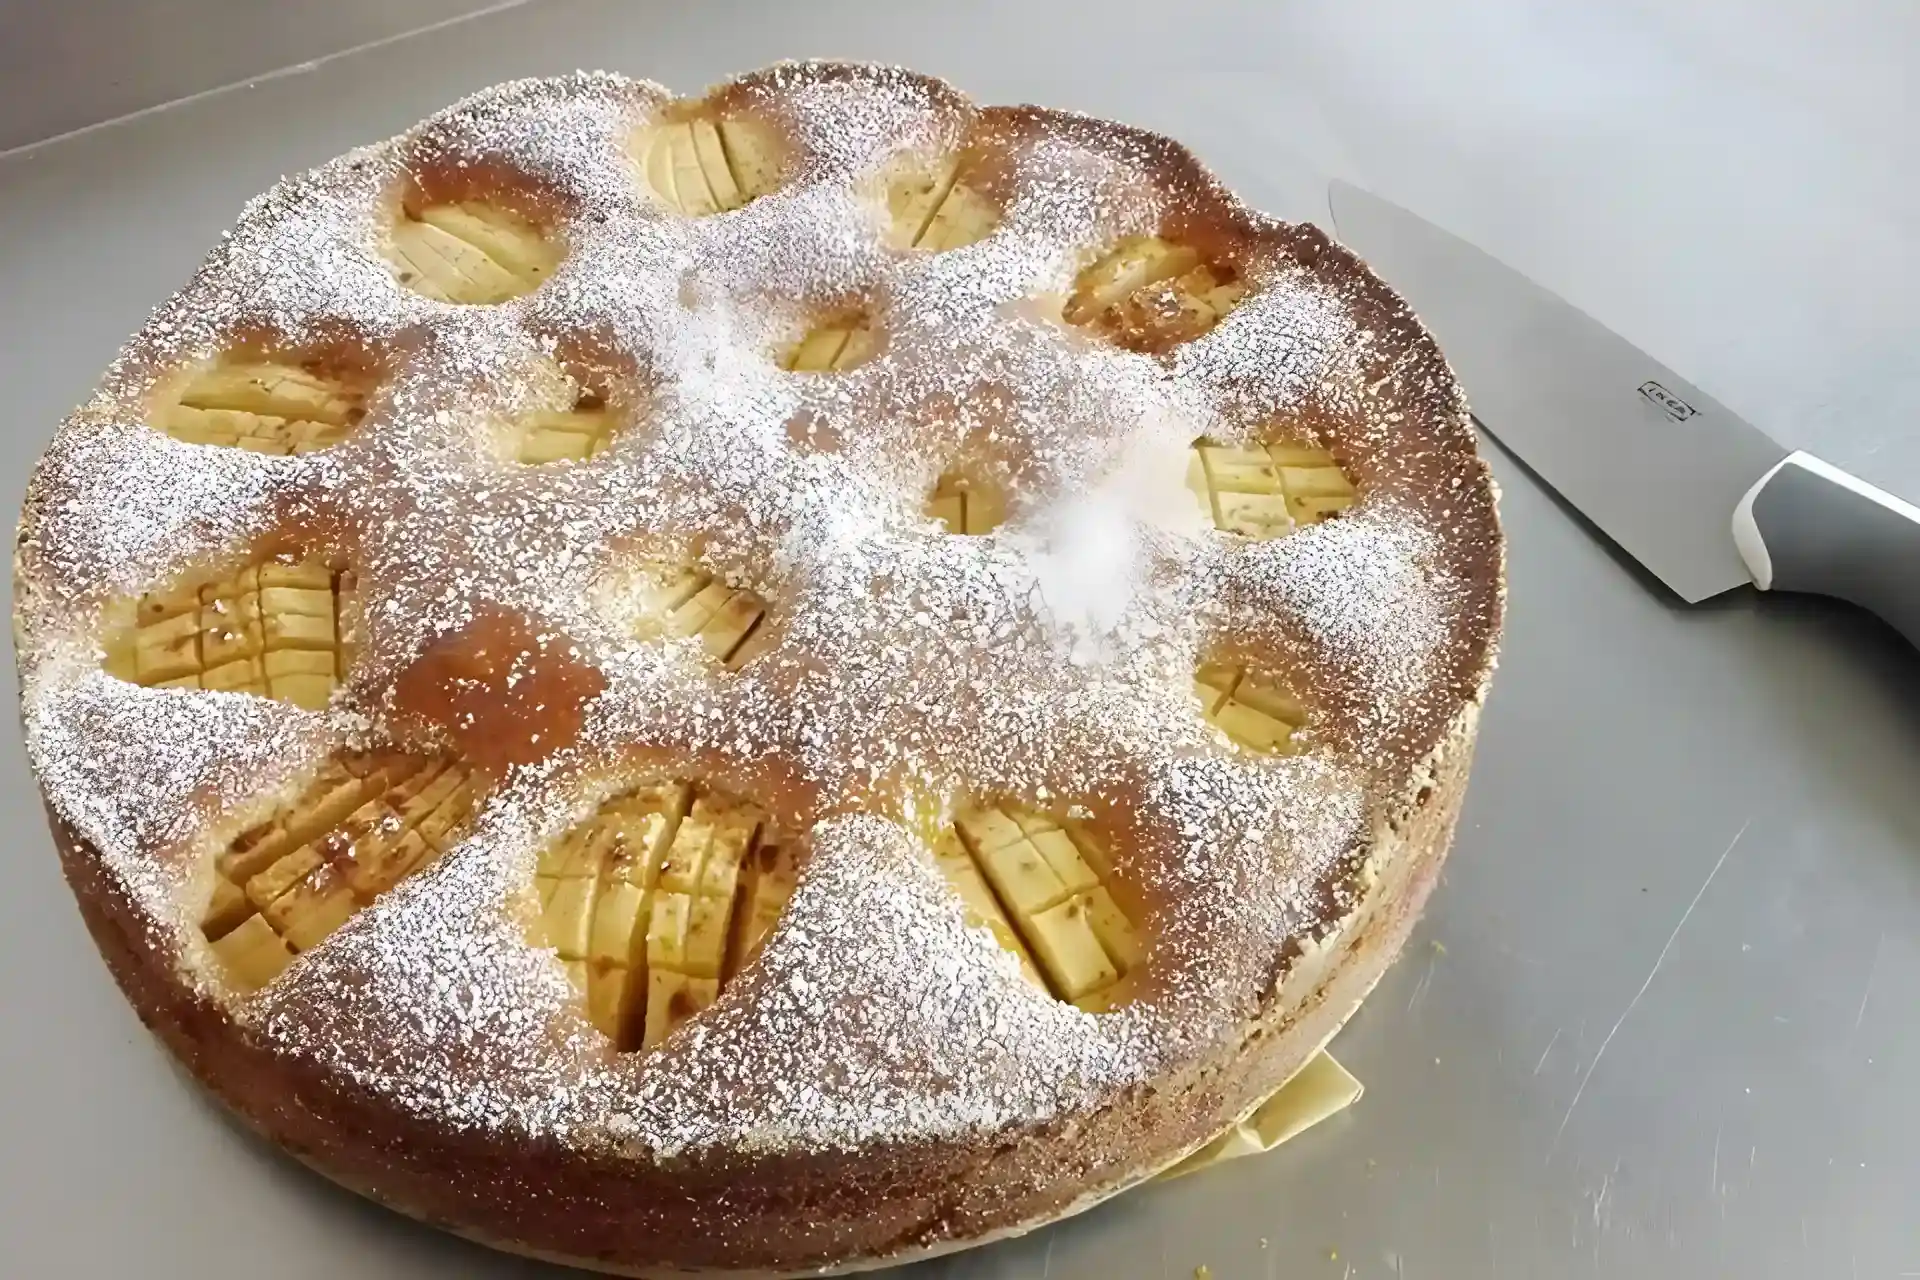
(460, 1181)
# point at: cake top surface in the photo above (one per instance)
(900, 670)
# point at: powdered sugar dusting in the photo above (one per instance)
(435, 1002)
(144, 773)
(1049, 661)
(914, 1011)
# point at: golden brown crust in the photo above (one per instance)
(774, 1222)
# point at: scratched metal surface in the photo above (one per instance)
(139, 55)
(1665, 1029)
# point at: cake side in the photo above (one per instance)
(786, 1217)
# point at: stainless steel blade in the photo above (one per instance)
(1653, 460)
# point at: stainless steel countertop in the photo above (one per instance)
(1653, 1023)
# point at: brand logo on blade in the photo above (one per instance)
(1667, 402)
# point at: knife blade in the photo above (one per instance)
(1705, 500)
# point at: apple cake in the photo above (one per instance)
(775, 682)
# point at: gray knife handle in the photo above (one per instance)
(1809, 526)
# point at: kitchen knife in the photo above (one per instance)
(1703, 499)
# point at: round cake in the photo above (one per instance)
(770, 683)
